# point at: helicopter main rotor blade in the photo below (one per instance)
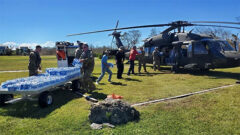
(238, 23)
(117, 25)
(217, 26)
(123, 28)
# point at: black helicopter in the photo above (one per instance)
(186, 49)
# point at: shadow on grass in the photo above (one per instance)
(94, 78)
(152, 74)
(215, 74)
(131, 79)
(98, 96)
(211, 73)
(118, 83)
(31, 109)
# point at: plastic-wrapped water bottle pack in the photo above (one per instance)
(110, 65)
(52, 77)
(76, 63)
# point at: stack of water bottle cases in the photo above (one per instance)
(52, 77)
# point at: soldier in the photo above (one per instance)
(78, 54)
(34, 61)
(79, 50)
(156, 59)
(120, 57)
(141, 60)
(87, 59)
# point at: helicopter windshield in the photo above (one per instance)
(221, 45)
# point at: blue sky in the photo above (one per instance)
(31, 22)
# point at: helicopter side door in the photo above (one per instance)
(200, 55)
(183, 54)
(148, 54)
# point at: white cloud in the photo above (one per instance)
(10, 44)
(48, 44)
(30, 45)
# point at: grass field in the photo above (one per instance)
(215, 112)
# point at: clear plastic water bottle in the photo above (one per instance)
(34, 85)
(12, 88)
(63, 73)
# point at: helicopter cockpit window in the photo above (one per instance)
(199, 48)
(221, 46)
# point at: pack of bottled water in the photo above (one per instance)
(76, 63)
(110, 65)
(53, 76)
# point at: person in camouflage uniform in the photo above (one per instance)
(87, 68)
(141, 60)
(78, 53)
(156, 59)
(79, 50)
(34, 61)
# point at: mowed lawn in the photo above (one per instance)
(215, 112)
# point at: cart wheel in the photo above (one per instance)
(4, 98)
(75, 85)
(45, 99)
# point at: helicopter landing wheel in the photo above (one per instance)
(175, 69)
(205, 69)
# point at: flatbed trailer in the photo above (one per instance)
(43, 94)
(65, 53)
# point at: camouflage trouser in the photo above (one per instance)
(140, 63)
(33, 72)
(86, 82)
(156, 64)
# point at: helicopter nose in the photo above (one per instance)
(237, 61)
(233, 61)
(233, 58)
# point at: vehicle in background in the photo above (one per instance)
(23, 50)
(5, 50)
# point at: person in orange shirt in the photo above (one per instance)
(132, 58)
